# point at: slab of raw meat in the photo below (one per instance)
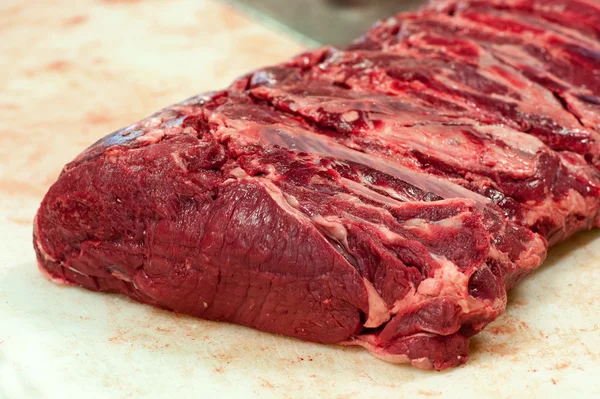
(387, 194)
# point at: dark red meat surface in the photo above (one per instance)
(386, 194)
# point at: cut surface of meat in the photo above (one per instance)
(385, 195)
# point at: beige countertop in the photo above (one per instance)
(73, 71)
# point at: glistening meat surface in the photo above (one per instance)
(386, 194)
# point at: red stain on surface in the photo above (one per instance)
(121, 337)
(502, 329)
(523, 325)
(429, 393)
(58, 66)
(502, 350)
(76, 20)
(96, 119)
(266, 384)
(553, 381)
(507, 325)
(562, 366)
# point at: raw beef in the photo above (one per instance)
(386, 195)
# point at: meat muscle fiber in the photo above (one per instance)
(386, 194)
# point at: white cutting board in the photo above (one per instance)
(72, 72)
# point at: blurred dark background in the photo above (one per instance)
(326, 21)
